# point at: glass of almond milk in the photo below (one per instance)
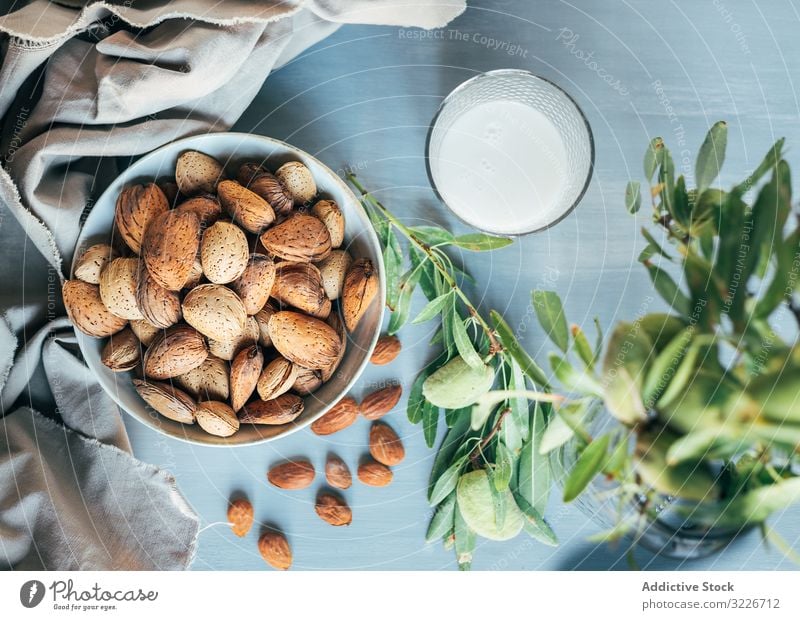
(510, 153)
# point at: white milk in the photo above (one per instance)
(502, 167)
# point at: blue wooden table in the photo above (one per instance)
(362, 100)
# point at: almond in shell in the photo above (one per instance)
(333, 271)
(308, 381)
(281, 410)
(227, 349)
(240, 516)
(245, 371)
(144, 331)
(223, 252)
(122, 351)
(262, 319)
(292, 475)
(87, 311)
(137, 206)
(262, 182)
(298, 181)
(195, 275)
(335, 321)
(92, 262)
(169, 401)
(275, 550)
(215, 311)
(331, 215)
(247, 208)
(340, 416)
(118, 282)
(158, 306)
(380, 402)
(304, 340)
(386, 350)
(174, 352)
(206, 207)
(374, 474)
(197, 173)
(384, 444)
(277, 378)
(209, 381)
(300, 285)
(337, 473)
(333, 509)
(299, 238)
(360, 288)
(216, 418)
(169, 248)
(255, 284)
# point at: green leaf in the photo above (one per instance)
(668, 290)
(430, 422)
(432, 309)
(432, 235)
(665, 366)
(619, 456)
(756, 506)
(393, 263)
(481, 242)
(464, 345)
(427, 273)
(400, 315)
(598, 342)
(487, 402)
(446, 483)
(683, 375)
(443, 518)
(681, 207)
(588, 465)
(653, 157)
(415, 397)
(771, 159)
(505, 467)
(633, 196)
(455, 438)
(666, 178)
(535, 524)
(625, 365)
(711, 155)
(575, 381)
(582, 347)
(465, 541)
(651, 240)
(550, 313)
(533, 477)
(520, 356)
(557, 433)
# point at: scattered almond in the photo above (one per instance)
(333, 509)
(384, 444)
(374, 474)
(240, 516)
(292, 475)
(337, 473)
(380, 402)
(386, 350)
(275, 550)
(340, 416)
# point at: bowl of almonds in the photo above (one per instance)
(227, 289)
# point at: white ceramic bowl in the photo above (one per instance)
(232, 149)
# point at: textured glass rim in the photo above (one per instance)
(526, 75)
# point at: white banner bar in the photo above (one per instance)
(406, 595)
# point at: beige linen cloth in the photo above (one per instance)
(82, 85)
